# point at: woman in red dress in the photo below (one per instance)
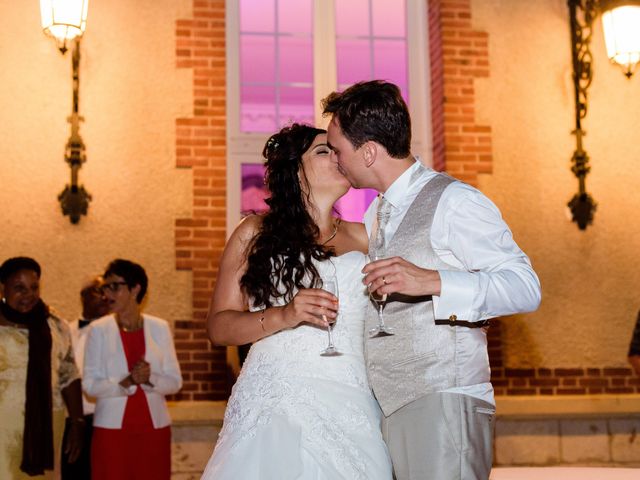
(130, 365)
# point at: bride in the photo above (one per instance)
(294, 413)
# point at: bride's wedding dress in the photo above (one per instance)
(294, 414)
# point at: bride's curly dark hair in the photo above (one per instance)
(281, 253)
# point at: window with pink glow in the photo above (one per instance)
(276, 55)
(276, 69)
(254, 190)
(371, 42)
(276, 64)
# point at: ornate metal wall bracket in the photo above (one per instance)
(74, 199)
(581, 16)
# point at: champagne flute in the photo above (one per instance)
(330, 285)
(381, 330)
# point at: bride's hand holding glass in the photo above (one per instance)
(310, 305)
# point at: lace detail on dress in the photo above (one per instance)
(272, 393)
(321, 407)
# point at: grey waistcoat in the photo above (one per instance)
(421, 357)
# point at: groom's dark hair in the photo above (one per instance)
(372, 111)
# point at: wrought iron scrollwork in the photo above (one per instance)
(74, 199)
(581, 16)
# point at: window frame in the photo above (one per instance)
(247, 147)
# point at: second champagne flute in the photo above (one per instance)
(380, 330)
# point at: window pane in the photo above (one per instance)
(257, 15)
(295, 16)
(353, 205)
(354, 61)
(389, 18)
(352, 18)
(254, 190)
(378, 51)
(257, 59)
(296, 105)
(257, 109)
(390, 62)
(296, 60)
(276, 72)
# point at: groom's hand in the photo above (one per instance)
(396, 275)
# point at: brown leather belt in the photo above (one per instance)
(453, 321)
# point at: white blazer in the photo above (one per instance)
(105, 365)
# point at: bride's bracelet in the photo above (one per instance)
(261, 319)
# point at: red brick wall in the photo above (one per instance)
(554, 381)
(459, 55)
(201, 146)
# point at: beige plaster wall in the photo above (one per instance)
(590, 278)
(130, 95)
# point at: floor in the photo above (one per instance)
(564, 473)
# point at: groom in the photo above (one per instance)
(451, 265)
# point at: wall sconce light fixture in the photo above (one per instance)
(65, 21)
(621, 26)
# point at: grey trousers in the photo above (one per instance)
(441, 436)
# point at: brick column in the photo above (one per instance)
(201, 146)
(459, 55)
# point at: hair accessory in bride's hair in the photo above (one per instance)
(272, 144)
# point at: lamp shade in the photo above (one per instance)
(64, 19)
(621, 26)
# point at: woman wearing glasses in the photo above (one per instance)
(130, 365)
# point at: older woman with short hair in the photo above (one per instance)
(38, 377)
(130, 364)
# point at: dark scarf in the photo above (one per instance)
(37, 441)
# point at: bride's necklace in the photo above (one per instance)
(335, 232)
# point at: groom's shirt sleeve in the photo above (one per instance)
(495, 277)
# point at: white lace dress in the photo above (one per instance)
(294, 414)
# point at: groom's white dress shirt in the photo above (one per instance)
(467, 233)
